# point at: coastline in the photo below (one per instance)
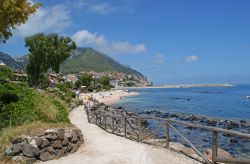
(181, 86)
(108, 97)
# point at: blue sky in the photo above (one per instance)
(170, 41)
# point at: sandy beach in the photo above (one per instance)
(107, 97)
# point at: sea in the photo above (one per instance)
(226, 103)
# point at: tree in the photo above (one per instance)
(105, 82)
(46, 52)
(38, 58)
(13, 13)
(59, 49)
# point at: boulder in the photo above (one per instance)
(51, 150)
(39, 141)
(16, 149)
(30, 151)
(44, 156)
(75, 147)
(57, 144)
(181, 148)
(33, 143)
(45, 143)
(8, 152)
(51, 136)
(60, 134)
(61, 153)
(65, 141)
(74, 138)
(68, 134)
(18, 140)
(23, 159)
(221, 153)
(70, 146)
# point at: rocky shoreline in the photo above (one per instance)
(229, 145)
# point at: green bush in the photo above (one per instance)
(20, 104)
(6, 73)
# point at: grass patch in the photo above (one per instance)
(25, 111)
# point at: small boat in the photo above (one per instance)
(247, 97)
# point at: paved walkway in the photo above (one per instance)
(101, 147)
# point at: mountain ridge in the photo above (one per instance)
(80, 60)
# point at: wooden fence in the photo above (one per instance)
(130, 131)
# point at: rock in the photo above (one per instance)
(45, 143)
(243, 121)
(75, 147)
(33, 143)
(61, 153)
(30, 151)
(74, 138)
(44, 156)
(50, 131)
(181, 148)
(17, 140)
(51, 136)
(65, 141)
(23, 159)
(79, 134)
(60, 134)
(69, 135)
(39, 141)
(51, 150)
(233, 140)
(8, 152)
(221, 153)
(57, 144)
(70, 146)
(16, 149)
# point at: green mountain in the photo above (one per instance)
(88, 59)
(81, 59)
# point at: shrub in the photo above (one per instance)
(20, 104)
(6, 73)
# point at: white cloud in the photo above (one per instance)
(102, 8)
(86, 38)
(191, 58)
(126, 47)
(159, 59)
(53, 19)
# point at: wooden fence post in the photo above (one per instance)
(113, 125)
(214, 146)
(105, 122)
(139, 129)
(167, 134)
(96, 119)
(125, 127)
(87, 111)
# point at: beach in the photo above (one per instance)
(108, 97)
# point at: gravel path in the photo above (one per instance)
(101, 147)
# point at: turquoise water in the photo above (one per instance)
(217, 102)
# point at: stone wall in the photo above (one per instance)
(52, 144)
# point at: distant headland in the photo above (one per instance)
(188, 86)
